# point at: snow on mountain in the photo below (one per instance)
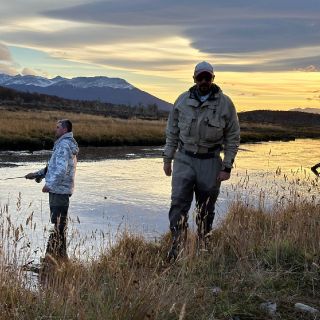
(104, 89)
(24, 80)
(4, 78)
(78, 82)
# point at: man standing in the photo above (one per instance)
(59, 176)
(203, 122)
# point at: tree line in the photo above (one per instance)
(13, 99)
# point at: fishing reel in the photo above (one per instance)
(38, 179)
(37, 176)
(33, 176)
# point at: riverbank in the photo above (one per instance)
(253, 257)
(23, 130)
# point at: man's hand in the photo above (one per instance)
(45, 189)
(167, 168)
(223, 176)
(30, 176)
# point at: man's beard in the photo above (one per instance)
(204, 89)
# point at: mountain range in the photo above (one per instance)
(104, 89)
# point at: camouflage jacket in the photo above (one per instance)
(62, 165)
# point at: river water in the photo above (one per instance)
(125, 188)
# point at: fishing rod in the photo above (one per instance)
(34, 176)
(14, 178)
(37, 179)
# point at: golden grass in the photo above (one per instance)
(34, 130)
(88, 129)
(253, 256)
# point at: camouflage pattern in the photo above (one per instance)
(62, 165)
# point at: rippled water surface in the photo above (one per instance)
(118, 187)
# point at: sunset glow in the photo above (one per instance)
(265, 56)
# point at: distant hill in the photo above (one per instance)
(18, 100)
(14, 99)
(285, 118)
(308, 110)
(103, 89)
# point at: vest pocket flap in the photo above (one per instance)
(212, 107)
(218, 123)
(214, 130)
(185, 121)
(185, 124)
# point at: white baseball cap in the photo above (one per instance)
(203, 67)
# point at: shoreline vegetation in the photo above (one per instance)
(254, 257)
(33, 130)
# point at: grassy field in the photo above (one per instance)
(254, 256)
(22, 130)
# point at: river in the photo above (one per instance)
(125, 188)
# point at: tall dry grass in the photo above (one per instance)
(35, 130)
(254, 255)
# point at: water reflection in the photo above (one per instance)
(125, 187)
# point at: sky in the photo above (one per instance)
(266, 54)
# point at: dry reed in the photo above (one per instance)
(254, 255)
(37, 129)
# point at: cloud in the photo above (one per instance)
(137, 54)
(7, 69)
(214, 28)
(13, 12)
(254, 35)
(168, 12)
(310, 68)
(5, 53)
(86, 36)
(28, 71)
(236, 35)
(314, 99)
(130, 13)
(34, 72)
(7, 65)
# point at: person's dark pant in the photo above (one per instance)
(194, 176)
(57, 243)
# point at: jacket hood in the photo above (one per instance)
(68, 137)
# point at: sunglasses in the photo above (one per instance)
(206, 77)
